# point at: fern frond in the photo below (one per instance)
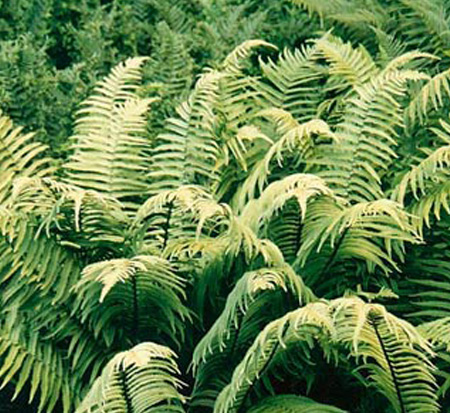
(110, 149)
(67, 208)
(42, 261)
(143, 292)
(300, 325)
(437, 331)
(415, 179)
(27, 359)
(20, 156)
(355, 66)
(294, 83)
(178, 215)
(431, 96)
(301, 187)
(142, 379)
(169, 70)
(427, 182)
(187, 151)
(247, 290)
(400, 368)
(297, 140)
(366, 137)
(233, 62)
(366, 231)
(322, 9)
(428, 18)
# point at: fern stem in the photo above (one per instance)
(391, 367)
(298, 237)
(333, 255)
(125, 390)
(167, 225)
(135, 308)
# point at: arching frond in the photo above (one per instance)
(233, 62)
(110, 149)
(431, 96)
(301, 325)
(366, 137)
(292, 404)
(380, 342)
(401, 369)
(178, 215)
(251, 286)
(94, 217)
(294, 83)
(372, 232)
(428, 182)
(301, 187)
(297, 140)
(142, 379)
(20, 156)
(354, 66)
(141, 294)
(187, 151)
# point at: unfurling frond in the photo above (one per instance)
(292, 404)
(143, 379)
(110, 149)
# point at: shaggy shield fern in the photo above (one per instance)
(287, 224)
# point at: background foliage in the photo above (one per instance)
(194, 220)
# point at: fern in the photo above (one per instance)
(18, 157)
(138, 380)
(366, 330)
(110, 150)
(254, 231)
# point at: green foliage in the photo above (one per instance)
(236, 224)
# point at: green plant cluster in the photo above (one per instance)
(52, 52)
(249, 210)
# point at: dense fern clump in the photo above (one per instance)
(251, 213)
